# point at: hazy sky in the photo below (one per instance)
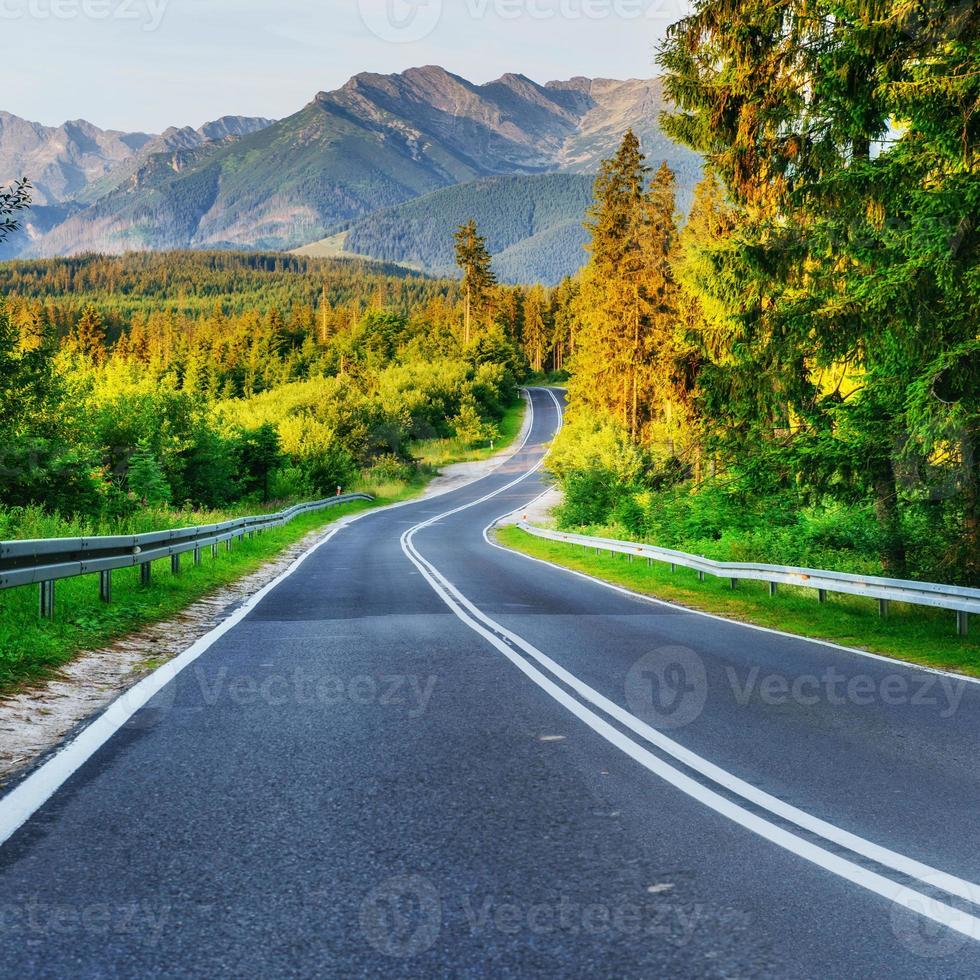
(149, 64)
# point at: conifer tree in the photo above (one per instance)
(89, 339)
(536, 332)
(473, 259)
(145, 477)
(627, 297)
(849, 263)
(562, 341)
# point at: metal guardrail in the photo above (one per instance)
(45, 561)
(962, 601)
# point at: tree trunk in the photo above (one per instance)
(886, 511)
(971, 510)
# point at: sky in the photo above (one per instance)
(144, 65)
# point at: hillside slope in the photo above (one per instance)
(533, 226)
(509, 211)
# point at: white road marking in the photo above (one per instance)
(503, 640)
(27, 797)
(643, 597)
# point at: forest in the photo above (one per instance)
(156, 388)
(787, 373)
(532, 225)
(792, 373)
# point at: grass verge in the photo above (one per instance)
(915, 633)
(31, 649)
(443, 452)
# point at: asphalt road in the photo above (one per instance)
(422, 755)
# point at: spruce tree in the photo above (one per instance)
(145, 477)
(473, 259)
(626, 304)
(535, 333)
(856, 251)
(89, 338)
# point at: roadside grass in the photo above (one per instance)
(918, 634)
(32, 649)
(437, 453)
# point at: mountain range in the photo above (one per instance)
(373, 144)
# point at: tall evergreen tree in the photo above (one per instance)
(626, 301)
(562, 341)
(536, 333)
(473, 259)
(857, 249)
(89, 337)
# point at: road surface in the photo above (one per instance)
(419, 754)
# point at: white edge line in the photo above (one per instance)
(28, 796)
(875, 852)
(645, 597)
(905, 897)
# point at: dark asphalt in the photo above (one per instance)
(353, 782)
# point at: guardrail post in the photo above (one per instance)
(700, 575)
(228, 543)
(962, 622)
(45, 603)
(673, 567)
(821, 595)
(734, 582)
(214, 549)
(883, 608)
(197, 556)
(105, 585)
(175, 564)
(772, 588)
(146, 573)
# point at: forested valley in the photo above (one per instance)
(788, 373)
(148, 390)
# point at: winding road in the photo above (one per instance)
(420, 754)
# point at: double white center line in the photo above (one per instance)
(506, 641)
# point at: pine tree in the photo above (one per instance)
(473, 259)
(608, 306)
(562, 341)
(846, 262)
(626, 305)
(535, 330)
(145, 477)
(89, 337)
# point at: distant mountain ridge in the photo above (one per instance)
(376, 142)
(61, 160)
(533, 226)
